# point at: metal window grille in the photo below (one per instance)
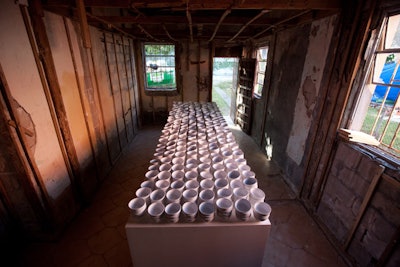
(160, 66)
(383, 115)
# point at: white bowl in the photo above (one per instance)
(207, 211)
(155, 210)
(250, 183)
(207, 184)
(262, 211)
(189, 195)
(207, 195)
(137, 206)
(157, 195)
(174, 195)
(178, 184)
(224, 193)
(221, 183)
(164, 175)
(243, 209)
(224, 205)
(173, 209)
(190, 208)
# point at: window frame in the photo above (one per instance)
(160, 91)
(374, 47)
(257, 71)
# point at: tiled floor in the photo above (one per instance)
(97, 236)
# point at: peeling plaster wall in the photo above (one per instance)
(297, 71)
(290, 53)
(319, 41)
(17, 61)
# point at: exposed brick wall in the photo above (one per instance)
(347, 183)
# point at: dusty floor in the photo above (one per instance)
(97, 236)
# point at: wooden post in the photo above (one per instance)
(210, 69)
(127, 83)
(367, 198)
(112, 88)
(198, 70)
(267, 85)
(36, 14)
(84, 24)
(120, 86)
(133, 82)
(74, 63)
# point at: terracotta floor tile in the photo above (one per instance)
(93, 261)
(104, 240)
(118, 256)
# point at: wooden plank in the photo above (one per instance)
(86, 155)
(38, 27)
(111, 95)
(364, 204)
(207, 4)
(135, 95)
(221, 19)
(262, 13)
(390, 248)
(267, 86)
(98, 72)
(127, 91)
(116, 93)
(84, 24)
(189, 18)
(117, 53)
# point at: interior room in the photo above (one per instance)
(307, 91)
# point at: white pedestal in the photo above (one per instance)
(201, 244)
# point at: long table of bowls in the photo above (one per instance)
(199, 203)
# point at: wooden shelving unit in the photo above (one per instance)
(245, 93)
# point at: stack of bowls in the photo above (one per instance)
(198, 170)
(207, 210)
(137, 206)
(224, 208)
(172, 212)
(262, 211)
(243, 209)
(189, 211)
(156, 210)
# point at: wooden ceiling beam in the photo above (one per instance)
(281, 22)
(226, 13)
(189, 18)
(207, 4)
(248, 23)
(230, 20)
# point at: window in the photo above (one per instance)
(378, 111)
(160, 72)
(262, 54)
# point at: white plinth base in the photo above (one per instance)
(199, 244)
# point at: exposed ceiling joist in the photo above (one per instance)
(225, 22)
(209, 4)
(248, 23)
(226, 13)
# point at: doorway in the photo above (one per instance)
(224, 84)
